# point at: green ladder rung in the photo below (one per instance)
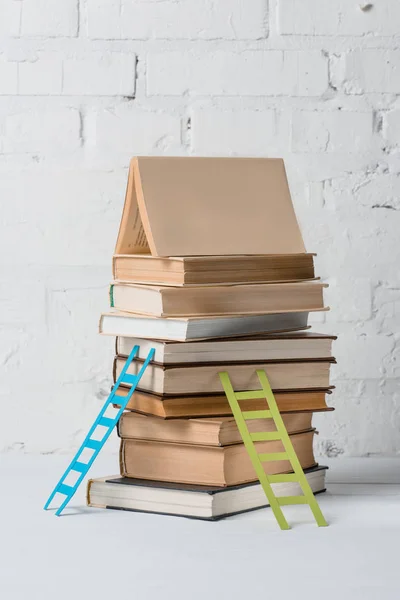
(265, 436)
(283, 478)
(256, 414)
(256, 395)
(287, 500)
(269, 456)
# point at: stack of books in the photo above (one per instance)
(210, 270)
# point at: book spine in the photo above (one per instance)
(114, 266)
(111, 295)
(122, 468)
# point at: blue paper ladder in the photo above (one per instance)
(82, 466)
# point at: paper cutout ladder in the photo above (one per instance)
(257, 459)
(78, 464)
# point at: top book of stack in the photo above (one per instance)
(208, 221)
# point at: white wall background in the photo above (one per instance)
(86, 84)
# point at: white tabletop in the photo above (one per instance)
(98, 554)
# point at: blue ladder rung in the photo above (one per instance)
(80, 467)
(93, 444)
(67, 490)
(106, 422)
(132, 379)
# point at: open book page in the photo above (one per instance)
(132, 237)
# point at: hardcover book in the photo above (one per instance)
(189, 206)
(207, 465)
(216, 405)
(191, 501)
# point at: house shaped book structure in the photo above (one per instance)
(188, 206)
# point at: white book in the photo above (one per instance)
(118, 323)
(198, 502)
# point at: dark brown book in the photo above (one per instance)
(207, 465)
(214, 405)
(211, 431)
(206, 270)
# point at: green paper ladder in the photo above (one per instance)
(258, 458)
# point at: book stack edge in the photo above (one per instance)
(208, 305)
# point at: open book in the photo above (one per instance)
(188, 206)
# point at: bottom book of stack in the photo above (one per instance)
(193, 501)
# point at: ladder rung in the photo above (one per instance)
(256, 395)
(257, 414)
(80, 467)
(65, 489)
(93, 444)
(286, 500)
(106, 422)
(265, 436)
(132, 379)
(268, 456)
(283, 478)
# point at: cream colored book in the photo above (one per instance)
(227, 300)
(190, 206)
(204, 379)
(283, 346)
(212, 270)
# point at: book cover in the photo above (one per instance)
(189, 206)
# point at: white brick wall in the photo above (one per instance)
(227, 73)
(171, 20)
(85, 84)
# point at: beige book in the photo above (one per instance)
(189, 206)
(173, 407)
(207, 465)
(220, 431)
(228, 300)
(212, 270)
(204, 379)
(283, 346)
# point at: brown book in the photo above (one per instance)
(263, 298)
(217, 431)
(175, 407)
(204, 378)
(284, 346)
(207, 465)
(212, 270)
(189, 206)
